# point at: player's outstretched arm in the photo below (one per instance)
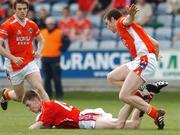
(37, 125)
(132, 10)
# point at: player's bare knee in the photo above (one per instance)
(122, 96)
(110, 78)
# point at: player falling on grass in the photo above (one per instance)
(131, 76)
(17, 34)
(61, 115)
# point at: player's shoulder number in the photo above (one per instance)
(64, 105)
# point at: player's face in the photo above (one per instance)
(110, 24)
(21, 11)
(33, 105)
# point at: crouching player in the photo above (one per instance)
(54, 114)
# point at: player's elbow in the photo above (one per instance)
(42, 41)
(157, 44)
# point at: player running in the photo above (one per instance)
(54, 114)
(17, 34)
(131, 76)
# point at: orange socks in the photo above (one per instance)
(153, 113)
(6, 95)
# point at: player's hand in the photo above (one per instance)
(18, 60)
(37, 54)
(132, 10)
(159, 57)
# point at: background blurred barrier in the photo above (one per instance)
(88, 69)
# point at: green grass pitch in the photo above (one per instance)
(16, 119)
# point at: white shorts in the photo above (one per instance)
(87, 117)
(18, 76)
(144, 66)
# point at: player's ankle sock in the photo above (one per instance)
(139, 94)
(153, 113)
(6, 95)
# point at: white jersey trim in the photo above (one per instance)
(140, 46)
(20, 22)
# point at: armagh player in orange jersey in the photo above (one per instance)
(131, 76)
(17, 34)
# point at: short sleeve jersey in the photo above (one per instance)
(59, 114)
(135, 39)
(18, 39)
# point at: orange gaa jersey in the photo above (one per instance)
(135, 39)
(18, 39)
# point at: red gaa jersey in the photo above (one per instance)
(59, 114)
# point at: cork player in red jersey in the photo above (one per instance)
(17, 35)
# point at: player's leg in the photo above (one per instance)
(18, 92)
(15, 94)
(118, 75)
(130, 86)
(150, 90)
(115, 123)
(135, 120)
(35, 81)
(107, 123)
(140, 69)
(126, 110)
(147, 93)
(96, 118)
(133, 82)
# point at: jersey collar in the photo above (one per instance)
(20, 22)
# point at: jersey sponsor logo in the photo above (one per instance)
(30, 30)
(23, 40)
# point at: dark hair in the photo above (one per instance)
(115, 13)
(30, 95)
(66, 8)
(21, 2)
